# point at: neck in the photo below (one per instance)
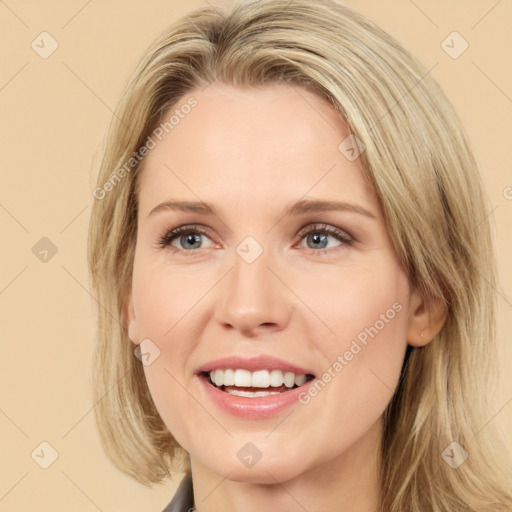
(348, 483)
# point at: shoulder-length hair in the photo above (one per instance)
(420, 164)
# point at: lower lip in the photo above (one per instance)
(256, 408)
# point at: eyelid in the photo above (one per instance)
(343, 236)
(327, 228)
(170, 235)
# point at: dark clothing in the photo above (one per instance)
(183, 500)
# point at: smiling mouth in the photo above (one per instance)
(244, 383)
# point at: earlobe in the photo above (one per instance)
(426, 319)
(131, 321)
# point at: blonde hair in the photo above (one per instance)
(417, 159)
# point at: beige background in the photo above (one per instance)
(54, 113)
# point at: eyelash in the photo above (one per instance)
(342, 236)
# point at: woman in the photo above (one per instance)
(295, 283)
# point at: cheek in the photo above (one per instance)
(163, 295)
(367, 310)
(163, 303)
(358, 301)
(372, 312)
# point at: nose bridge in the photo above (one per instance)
(252, 294)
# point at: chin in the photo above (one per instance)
(262, 472)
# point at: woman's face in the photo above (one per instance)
(276, 283)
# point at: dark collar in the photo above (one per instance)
(183, 500)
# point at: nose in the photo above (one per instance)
(253, 298)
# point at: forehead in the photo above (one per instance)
(279, 142)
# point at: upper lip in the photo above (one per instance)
(262, 362)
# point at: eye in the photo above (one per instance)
(188, 237)
(320, 237)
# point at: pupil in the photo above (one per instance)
(318, 238)
(192, 239)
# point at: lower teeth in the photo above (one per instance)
(251, 394)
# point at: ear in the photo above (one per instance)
(426, 319)
(133, 332)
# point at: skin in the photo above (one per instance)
(251, 152)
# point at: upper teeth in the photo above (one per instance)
(257, 379)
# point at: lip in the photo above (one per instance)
(262, 362)
(252, 408)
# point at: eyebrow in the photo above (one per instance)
(298, 208)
